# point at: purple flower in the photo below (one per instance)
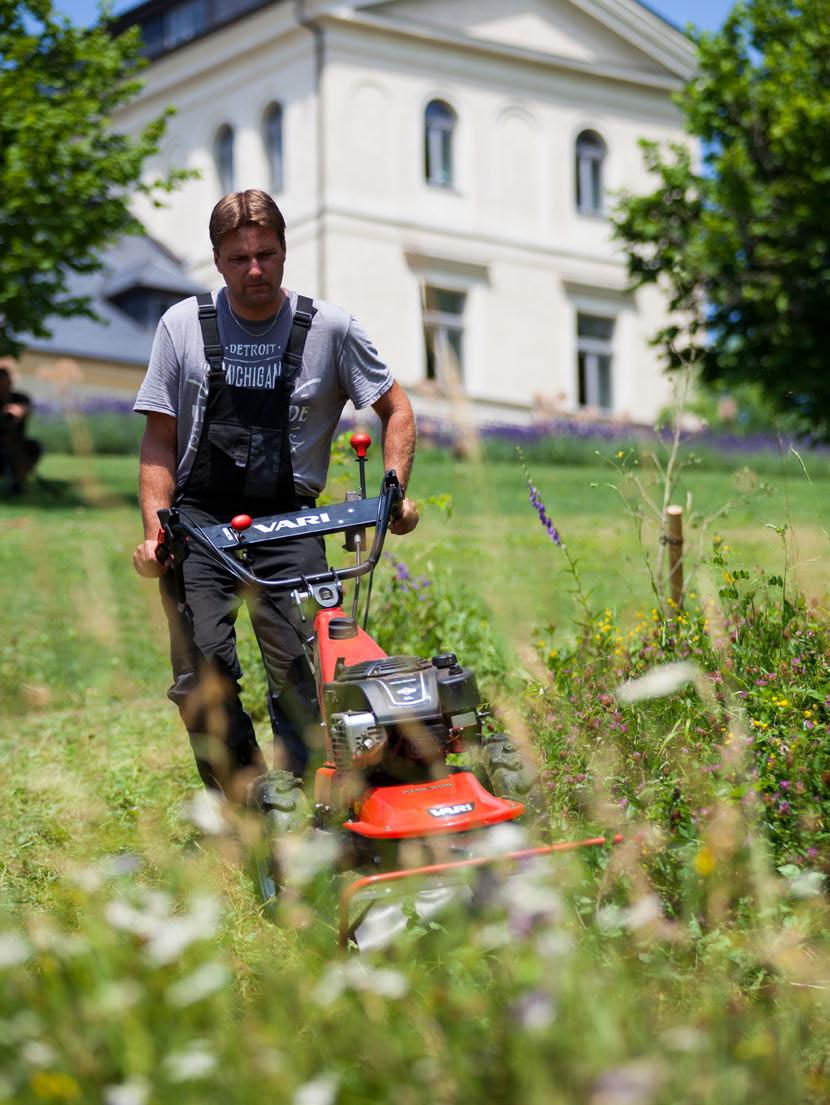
(784, 784)
(783, 807)
(539, 507)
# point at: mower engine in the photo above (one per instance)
(398, 712)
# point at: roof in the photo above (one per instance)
(135, 262)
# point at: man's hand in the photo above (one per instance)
(15, 410)
(145, 562)
(405, 518)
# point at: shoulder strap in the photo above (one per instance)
(292, 358)
(214, 352)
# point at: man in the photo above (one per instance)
(250, 432)
(18, 453)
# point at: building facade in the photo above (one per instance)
(445, 168)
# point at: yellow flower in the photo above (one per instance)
(783, 702)
(619, 454)
(704, 862)
(55, 1085)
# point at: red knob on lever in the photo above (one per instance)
(360, 443)
(240, 522)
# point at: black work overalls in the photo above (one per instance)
(242, 465)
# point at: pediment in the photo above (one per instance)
(615, 33)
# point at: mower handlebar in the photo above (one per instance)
(219, 541)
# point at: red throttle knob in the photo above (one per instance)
(360, 443)
(240, 522)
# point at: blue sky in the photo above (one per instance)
(707, 14)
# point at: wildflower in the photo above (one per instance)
(320, 1091)
(534, 1011)
(134, 1092)
(784, 807)
(657, 683)
(704, 862)
(539, 507)
(13, 949)
(203, 982)
(191, 1063)
(55, 1086)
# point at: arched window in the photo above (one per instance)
(272, 137)
(223, 155)
(439, 127)
(590, 156)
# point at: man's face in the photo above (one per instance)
(252, 261)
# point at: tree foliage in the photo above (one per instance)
(66, 175)
(740, 235)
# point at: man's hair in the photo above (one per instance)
(250, 208)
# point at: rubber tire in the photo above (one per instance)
(280, 797)
(504, 771)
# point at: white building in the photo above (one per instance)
(444, 167)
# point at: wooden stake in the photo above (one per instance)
(674, 539)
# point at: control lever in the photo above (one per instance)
(360, 442)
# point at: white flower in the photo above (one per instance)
(658, 683)
(88, 879)
(134, 1092)
(166, 935)
(203, 982)
(13, 949)
(39, 1054)
(356, 974)
(635, 1083)
(171, 938)
(190, 1064)
(118, 997)
(320, 1091)
(114, 867)
(206, 811)
(303, 857)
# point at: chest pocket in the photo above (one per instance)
(244, 459)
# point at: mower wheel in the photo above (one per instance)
(280, 798)
(506, 773)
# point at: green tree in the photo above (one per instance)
(66, 176)
(740, 235)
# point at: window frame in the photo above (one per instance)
(443, 325)
(274, 150)
(224, 157)
(593, 355)
(439, 143)
(590, 155)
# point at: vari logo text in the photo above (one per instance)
(286, 523)
(452, 811)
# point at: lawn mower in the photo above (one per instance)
(409, 823)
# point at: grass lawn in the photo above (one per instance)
(91, 747)
(82, 628)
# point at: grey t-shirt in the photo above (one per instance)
(339, 363)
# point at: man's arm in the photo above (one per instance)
(156, 483)
(398, 426)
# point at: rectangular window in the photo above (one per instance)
(594, 361)
(185, 21)
(444, 334)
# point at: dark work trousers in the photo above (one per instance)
(206, 667)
